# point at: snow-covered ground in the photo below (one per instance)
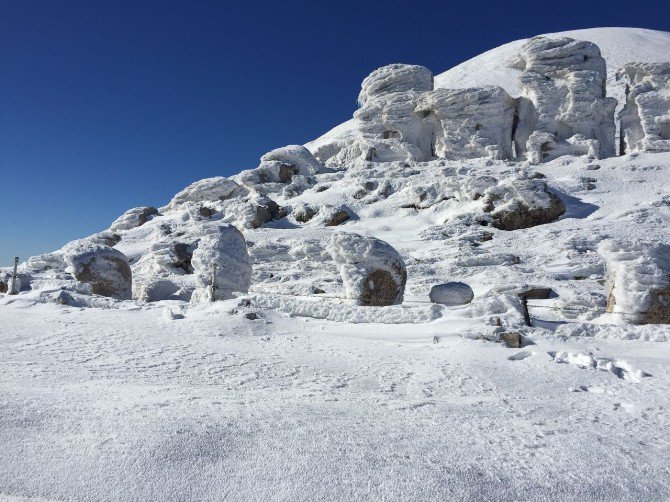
(292, 392)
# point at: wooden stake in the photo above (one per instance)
(526, 314)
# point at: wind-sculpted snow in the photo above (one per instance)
(645, 118)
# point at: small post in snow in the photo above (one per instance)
(213, 281)
(12, 288)
(526, 314)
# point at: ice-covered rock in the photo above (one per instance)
(133, 218)
(451, 293)
(303, 212)
(372, 271)
(208, 190)
(469, 123)
(645, 118)
(522, 203)
(105, 269)
(563, 108)
(556, 57)
(226, 248)
(395, 78)
(638, 281)
(281, 166)
(6, 281)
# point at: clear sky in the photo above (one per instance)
(108, 105)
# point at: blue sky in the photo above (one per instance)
(110, 105)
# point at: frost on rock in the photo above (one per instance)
(518, 203)
(638, 281)
(563, 108)
(133, 218)
(163, 272)
(469, 123)
(395, 78)
(6, 282)
(214, 189)
(292, 164)
(645, 118)
(226, 248)
(372, 271)
(105, 269)
(403, 119)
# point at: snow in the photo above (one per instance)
(287, 388)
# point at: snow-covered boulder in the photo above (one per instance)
(303, 212)
(372, 271)
(226, 248)
(563, 108)
(395, 78)
(208, 190)
(471, 122)
(522, 203)
(132, 218)
(451, 293)
(556, 57)
(645, 118)
(6, 282)
(281, 166)
(638, 281)
(105, 269)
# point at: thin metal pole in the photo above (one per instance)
(12, 289)
(213, 281)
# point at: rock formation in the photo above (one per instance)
(638, 281)
(562, 108)
(226, 248)
(105, 269)
(372, 271)
(645, 118)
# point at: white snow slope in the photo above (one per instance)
(320, 399)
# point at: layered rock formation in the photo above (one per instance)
(563, 108)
